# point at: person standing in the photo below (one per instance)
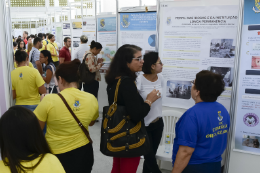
(21, 45)
(64, 54)
(34, 55)
(81, 50)
(202, 131)
(15, 46)
(27, 82)
(93, 64)
(53, 48)
(150, 80)
(127, 61)
(25, 35)
(64, 135)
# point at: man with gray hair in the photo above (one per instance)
(81, 50)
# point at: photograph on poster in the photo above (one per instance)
(76, 43)
(251, 141)
(178, 89)
(77, 25)
(222, 48)
(255, 62)
(225, 72)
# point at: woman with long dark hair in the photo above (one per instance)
(21, 46)
(22, 144)
(49, 71)
(127, 61)
(64, 135)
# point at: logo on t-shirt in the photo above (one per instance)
(21, 75)
(251, 119)
(220, 118)
(76, 105)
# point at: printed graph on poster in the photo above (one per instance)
(151, 40)
(178, 89)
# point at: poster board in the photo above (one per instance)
(247, 127)
(137, 28)
(195, 38)
(89, 28)
(76, 33)
(106, 35)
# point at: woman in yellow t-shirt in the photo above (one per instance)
(27, 82)
(65, 137)
(23, 146)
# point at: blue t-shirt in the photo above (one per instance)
(203, 127)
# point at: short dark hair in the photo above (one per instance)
(47, 34)
(26, 32)
(28, 37)
(44, 35)
(150, 59)
(50, 36)
(36, 40)
(118, 66)
(21, 138)
(14, 44)
(68, 71)
(20, 56)
(210, 85)
(40, 35)
(47, 53)
(96, 45)
(66, 39)
(32, 36)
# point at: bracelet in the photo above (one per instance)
(148, 102)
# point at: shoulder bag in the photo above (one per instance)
(76, 118)
(85, 75)
(56, 82)
(121, 137)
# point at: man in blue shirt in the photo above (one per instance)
(201, 133)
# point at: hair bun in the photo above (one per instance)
(93, 42)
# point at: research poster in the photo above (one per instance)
(76, 34)
(193, 39)
(89, 29)
(138, 29)
(2, 89)
(106, 35)
(247, 134)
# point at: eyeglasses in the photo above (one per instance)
(140, 58)
(160, 62)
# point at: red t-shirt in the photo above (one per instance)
(65, 53)
(25, 41)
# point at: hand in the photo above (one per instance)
(153, 96)
(100, 60)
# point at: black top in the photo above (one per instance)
(129, 97)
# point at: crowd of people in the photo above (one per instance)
(47, 129)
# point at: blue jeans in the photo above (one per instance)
(213, 167)
(30, 107)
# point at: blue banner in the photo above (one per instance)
(251, 12)
(138, 21)
(106, 24)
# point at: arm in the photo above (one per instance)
(42, 124)
(182, 159)
(62, 60)
(136, 108)
(91, 64)
(42, 89)
(39, 67)
(14, 94)
(48, 77)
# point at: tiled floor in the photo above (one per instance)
(103, 164)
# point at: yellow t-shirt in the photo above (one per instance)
(52, 48)
(63, 132)
(44, 43)
(49, 163)
(26, 82)
(30, 65)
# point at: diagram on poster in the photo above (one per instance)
(193, 39)
(247, 134)
(106, 35)
(138, 29)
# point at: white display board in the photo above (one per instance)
(137, 28)
(247, 134)
(106, 35)
(195, 38)
(89, 29)
(76, 33)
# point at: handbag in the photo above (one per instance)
(56, 83)
(121, 137)
(76, 118)
(85, 75)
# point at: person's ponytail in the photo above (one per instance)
(96, 45)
